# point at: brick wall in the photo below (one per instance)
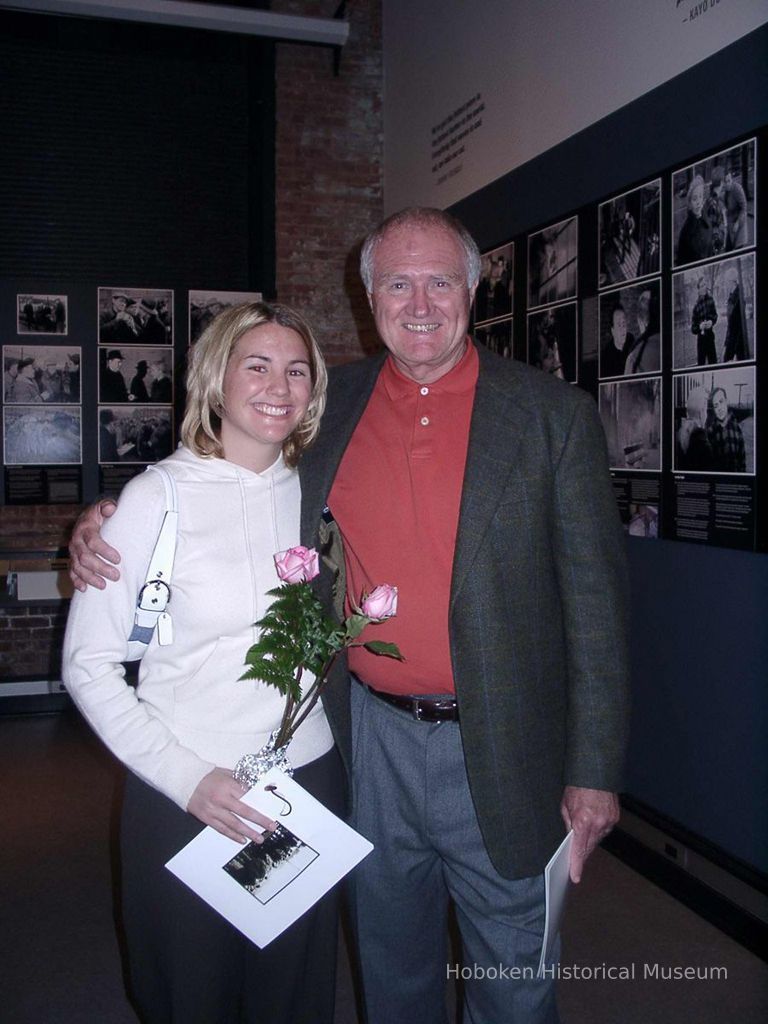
(329, 174)
(328, 196)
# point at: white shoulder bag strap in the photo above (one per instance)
(152, 602)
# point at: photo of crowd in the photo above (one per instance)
(140, 434)
(715, 421)
(553, 341)
(493, 298)
(714, 313)
(36, 436)
(135, 316)
(553, 263)
(631, 415)
(630, 235)
(630, 330)
(41, 314)
(204, 306)
(37, 374)
(713, 205)
(141, 375)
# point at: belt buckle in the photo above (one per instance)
(416, 709)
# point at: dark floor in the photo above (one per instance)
(59, 958)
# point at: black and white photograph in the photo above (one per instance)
(265, 869)
(553, 341)
(713, 205)
(630, 235)
(140, 375)
(204, 306)
(493, 298)
(41, 314)
(496, 336)
(141, 434)
(630, 330)
(35, 436)
(135, 316)
(714, 313)
(37, 374)
(714, 421)
(643, 521)
(631, 415)
(553, 263)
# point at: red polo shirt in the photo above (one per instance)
(396, 500)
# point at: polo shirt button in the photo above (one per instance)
(424, 391)
(425, 421)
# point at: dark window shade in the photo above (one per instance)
(135, 155)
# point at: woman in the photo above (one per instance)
(695, 241)
(256, 391)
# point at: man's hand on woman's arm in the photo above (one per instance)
(92, 560)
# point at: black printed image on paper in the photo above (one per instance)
(41, 314)
(266, 869)
(713, 205)
(630, 235)
(553, 263)
(714, 313)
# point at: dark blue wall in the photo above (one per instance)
(700, 642)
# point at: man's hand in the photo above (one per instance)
(87, 551)
(591, 813)
(216, 802)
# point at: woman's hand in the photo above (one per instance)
(216, 802)
(90, 556)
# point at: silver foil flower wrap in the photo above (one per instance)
(251, 767)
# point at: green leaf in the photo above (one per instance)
(355, 625)
(384, 648)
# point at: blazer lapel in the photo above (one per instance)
(497, 429)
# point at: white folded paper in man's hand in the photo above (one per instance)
(263, 888)
(556, 882)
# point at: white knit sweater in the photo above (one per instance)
(190, 711)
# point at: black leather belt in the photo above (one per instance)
(423, 709)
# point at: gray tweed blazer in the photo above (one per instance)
(538, 600)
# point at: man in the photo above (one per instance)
(613, 355)
(161, 389)
(118, 326)
(112, 383)
(703, 320)
(735, 335)
(725, 437)
(644, 355)
(478, 486)
(108, 451)
(26, 389)
(736, 213)
(694, 452)
(152, 330)
(714, 211)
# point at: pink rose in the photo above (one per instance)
(297, 565)
(381, 603)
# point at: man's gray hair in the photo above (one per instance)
(421, 216)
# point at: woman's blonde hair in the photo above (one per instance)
(201, 426)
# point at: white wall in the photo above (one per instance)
(542, 69)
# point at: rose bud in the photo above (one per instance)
(381, 603)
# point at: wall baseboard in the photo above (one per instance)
(723, 890)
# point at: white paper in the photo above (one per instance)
(287, 874)
(556, 883)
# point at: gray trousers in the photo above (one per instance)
(412, 800)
